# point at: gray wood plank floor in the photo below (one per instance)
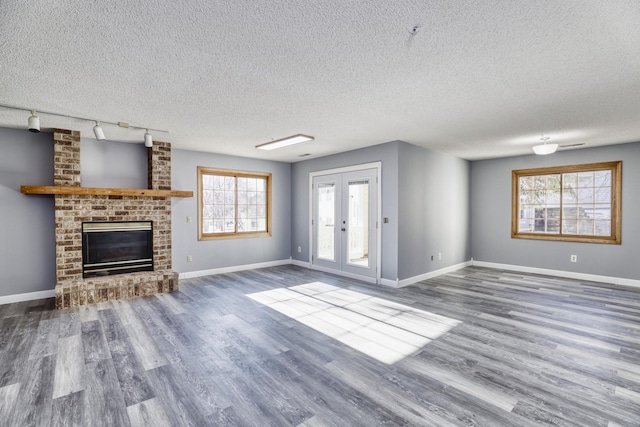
(529, 350)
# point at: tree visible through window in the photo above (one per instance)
(233, 203)
(571, 203)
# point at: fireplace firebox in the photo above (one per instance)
(116, 247)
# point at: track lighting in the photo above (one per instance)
(148, 139)
(34, 122)
(98, 132)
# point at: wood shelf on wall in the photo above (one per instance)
(93, 191)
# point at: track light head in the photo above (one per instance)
(98, 132)
(34, 122)
(148, 139)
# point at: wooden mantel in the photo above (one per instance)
(93, 191)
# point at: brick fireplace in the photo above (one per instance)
(71, 210)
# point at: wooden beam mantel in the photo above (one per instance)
(64, 190)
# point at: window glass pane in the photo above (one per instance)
(603, 179)
(553, 226)
(526, 182)
(585, 195)
(358, 223)
(242, 183)
(242, 197)
(552, 197)
(326, 221)
(539, 225)
(553, 213)
(586, 179)
(569, 180)
(603, 228)
(229, 197)
(218, 197)
(602, 212)
(528, 197)
(585, 227)
(229, 183)
(218, 182)
(207, 197)
(602, 195)
(570, 211)
(569, 195)
(207, 182)
(569, 226)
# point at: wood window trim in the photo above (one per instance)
(616, 202)
(203, 170)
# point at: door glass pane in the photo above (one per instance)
(358, 225)
(326, 220)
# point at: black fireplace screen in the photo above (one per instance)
(116, 247)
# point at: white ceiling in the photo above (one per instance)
(480, 79)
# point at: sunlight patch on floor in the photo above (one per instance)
(382, 329)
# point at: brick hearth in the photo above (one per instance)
(71, 210)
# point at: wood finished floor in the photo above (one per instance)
(531, 350)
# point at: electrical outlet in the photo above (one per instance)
(188, 219)
(189, 258)
(439, 256)
(299, 249)
(574, 258)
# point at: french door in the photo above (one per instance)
(344, 224)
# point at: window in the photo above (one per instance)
(579, 203)
(233, 204)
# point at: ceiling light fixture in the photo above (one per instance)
(34, 122)
(148, 139)
(284, 142)
(545, 148)
(98, 132)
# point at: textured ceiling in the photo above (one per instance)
(479, 79)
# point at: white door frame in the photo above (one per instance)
(378, 233)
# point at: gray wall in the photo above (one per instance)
(27, 239)
(213, 254)
(434, 211)
(27, 248)
(491, 220)
(388, 155)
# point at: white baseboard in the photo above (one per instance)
(412, 280)
(8, 299)
(304, 264)
(232, 269)
(390, 283)
(559, 273)
(342, 273)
